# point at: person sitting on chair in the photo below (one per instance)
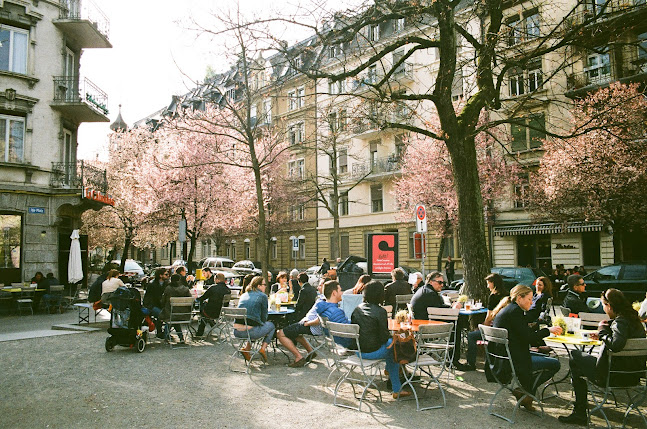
(152, 306)
(174, 289)
(213, 297)
(255, 301)
(111, 284)
(208, 278)
(625, 324)
(544, 289)
(307, 297)
(374, 335)
(520, 338)
(497, 292)
(399, 286)
(309, 324)
(575, 300)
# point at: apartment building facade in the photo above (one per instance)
(43, 100)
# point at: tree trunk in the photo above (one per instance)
(439, 257)
(124, 255)
(335, 252)
(189, 259)
(471, 226)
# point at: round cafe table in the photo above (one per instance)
(415, 324)
(279, 318)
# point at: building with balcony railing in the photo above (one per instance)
(43, 187)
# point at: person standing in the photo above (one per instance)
(449, 269)
(325, 267)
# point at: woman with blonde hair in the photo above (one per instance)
(520, 338)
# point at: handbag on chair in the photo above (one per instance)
(404, 346)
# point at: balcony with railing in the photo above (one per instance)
(580, 84)
(84, 24)
(403, 73)
(377, 166)
(80, 99)
(592, 13)
(78, 175)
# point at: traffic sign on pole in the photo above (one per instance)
(421, 218)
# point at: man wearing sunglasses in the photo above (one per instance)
(575, 299)
(429, 296)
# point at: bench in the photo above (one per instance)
(84, 312)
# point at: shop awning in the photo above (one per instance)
(547, 228)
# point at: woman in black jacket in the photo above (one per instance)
(625, 324)
(374, 335)
(520, 338)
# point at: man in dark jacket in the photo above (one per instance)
(211, 302)
(307, 297)
(575, 299)
(208, 277)
(153, 299)
(399, 286)
(325, 267)
(428, 296)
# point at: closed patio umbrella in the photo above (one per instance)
(74, 266)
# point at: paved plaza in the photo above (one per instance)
(70, 381)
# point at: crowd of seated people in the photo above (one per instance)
(518, 311)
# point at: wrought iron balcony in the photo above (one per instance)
(581, 83)
(377, 166)
(80, 98)
(592, 14)
(84, 24)
(78, 175)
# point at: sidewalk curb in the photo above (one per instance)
(73, 327)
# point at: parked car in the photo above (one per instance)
(247, 267)
(222, 265)
(628, 277)
(512, 276)
(313, 275)
(132, 269)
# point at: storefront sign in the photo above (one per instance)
(382, 253)
(37, 210)
(564, 246)
(91, 194)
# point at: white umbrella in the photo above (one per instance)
(74, 265)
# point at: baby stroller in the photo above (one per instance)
(126, 320)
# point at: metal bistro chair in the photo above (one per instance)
(449, 315)
(218, 324)
(334, 350)
(432, 350)
(367, 370)
(591, 320)
(401, 302)
(26, 300)
(636, 393)
(239, 315)
(497, 349)
(180, 317)
(565, 311)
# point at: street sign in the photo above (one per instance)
(295, 244)
(182, 231)
(421, 218)
(37, 210)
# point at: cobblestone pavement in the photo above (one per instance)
(70, 381)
